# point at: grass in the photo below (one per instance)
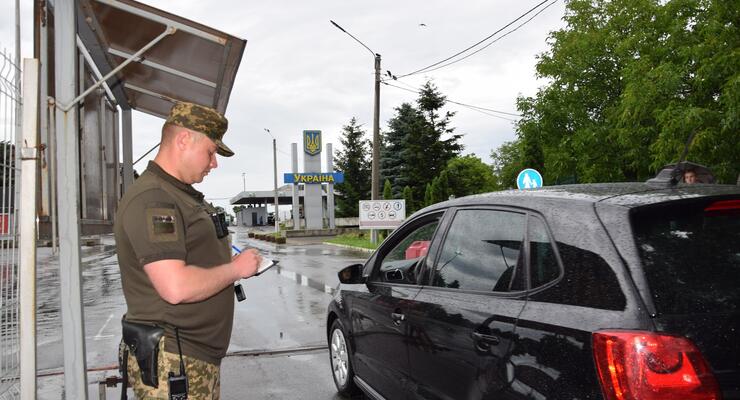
(355, 240)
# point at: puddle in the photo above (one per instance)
(304, 280)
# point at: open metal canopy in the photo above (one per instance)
(171, 58)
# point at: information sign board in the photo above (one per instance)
(382, 214)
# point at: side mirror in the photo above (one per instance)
(351, 274)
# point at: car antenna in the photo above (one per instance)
(677, 169)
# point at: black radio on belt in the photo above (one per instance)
(219, 222)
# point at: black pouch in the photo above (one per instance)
(143, 342)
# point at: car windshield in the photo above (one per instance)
(691, 254)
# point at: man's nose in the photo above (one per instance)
(214, 162)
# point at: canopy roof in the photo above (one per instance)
(196, 63)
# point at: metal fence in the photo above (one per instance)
(10, 105)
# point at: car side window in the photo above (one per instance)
(543, 265)
(402, 262)
(482, 251)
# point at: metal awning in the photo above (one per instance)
(181, 59)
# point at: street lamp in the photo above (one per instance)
(244, 181)
(375, 174)
(274, 165)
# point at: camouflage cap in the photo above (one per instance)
(201, 119)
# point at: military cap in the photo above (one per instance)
(201, 119)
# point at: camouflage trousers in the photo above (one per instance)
(204, 382)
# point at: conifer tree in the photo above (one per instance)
(354, 161)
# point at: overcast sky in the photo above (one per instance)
(300, 72)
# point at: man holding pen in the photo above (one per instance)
(177, 271)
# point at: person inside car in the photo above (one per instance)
(689, 176)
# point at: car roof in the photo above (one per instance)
(626, 194)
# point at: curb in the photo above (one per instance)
(349, 247)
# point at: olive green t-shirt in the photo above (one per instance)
(161, 218)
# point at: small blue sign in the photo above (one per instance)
(529, 179)
(329, 177)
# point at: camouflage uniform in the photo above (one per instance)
(204, 381)
(161, 218)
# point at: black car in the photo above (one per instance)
(602, 291)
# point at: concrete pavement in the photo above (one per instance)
(278, 347)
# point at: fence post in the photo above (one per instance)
(68, 198)
(27, 225)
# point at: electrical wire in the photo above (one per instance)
(420, 70)
(482, 110)
(494, 41)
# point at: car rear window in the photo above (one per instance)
(691, 254)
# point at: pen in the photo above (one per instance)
(236, 249)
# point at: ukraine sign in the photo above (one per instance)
(335, 177)
(312, 142)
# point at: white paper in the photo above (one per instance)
(265, 265)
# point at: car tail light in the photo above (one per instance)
(724, 205)
(642, 365)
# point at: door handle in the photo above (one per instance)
(398, 318)
(481, 339)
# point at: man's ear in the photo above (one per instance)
(182, 139)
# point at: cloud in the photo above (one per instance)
(300, 72)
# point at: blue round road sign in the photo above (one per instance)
(529, 179)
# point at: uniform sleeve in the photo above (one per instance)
(154, 226)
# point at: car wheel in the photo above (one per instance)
(341, 365)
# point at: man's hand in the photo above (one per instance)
(178, 283)
(246, 263)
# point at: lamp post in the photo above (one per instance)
(274, 166)
(375, 170)
(244, 181)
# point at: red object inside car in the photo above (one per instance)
(417, 249)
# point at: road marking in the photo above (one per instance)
(99, 336)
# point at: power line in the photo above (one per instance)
(418, 91)
(481, 110)
(494, 41)
(476, 44)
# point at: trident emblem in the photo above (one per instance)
(312, 142)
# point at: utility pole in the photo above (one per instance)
(375, 169)
(244, 181)
(274, 166)
(375, 173)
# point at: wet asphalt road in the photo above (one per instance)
(278, 342)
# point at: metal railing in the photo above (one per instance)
(10, 105)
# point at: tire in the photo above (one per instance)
(341, 364)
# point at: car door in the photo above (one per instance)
(378, 316)
(463, 326)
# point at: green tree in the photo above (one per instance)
(393, 165)
(435, 143)
(354, 161)
(419, 142)
(408, 195)
(428, 195)
(238, 208)
(507, 162)
(629, 81)
(387, 193)
(468, 175)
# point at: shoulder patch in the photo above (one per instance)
(162, 224)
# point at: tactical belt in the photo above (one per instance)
(143, 340)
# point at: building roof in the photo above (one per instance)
(285, 196)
